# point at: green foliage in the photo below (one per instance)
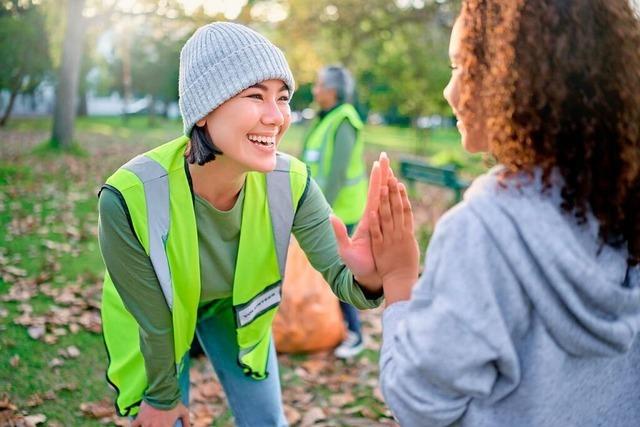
(155, 59)
(396, 50)
(302, 97)
(24, 48)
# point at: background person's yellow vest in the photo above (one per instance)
(158, 197)
(350, 202)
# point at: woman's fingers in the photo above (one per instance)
(373, 195)
(340, 230)
(185, 419)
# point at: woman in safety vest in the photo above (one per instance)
(194, 235)
(333, 150)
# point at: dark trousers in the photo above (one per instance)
(349, 312)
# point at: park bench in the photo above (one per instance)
(414, 170)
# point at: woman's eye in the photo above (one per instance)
(254, 96)
(284, 98)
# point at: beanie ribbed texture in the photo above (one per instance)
(221, 60)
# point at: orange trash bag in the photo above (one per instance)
(309, 318)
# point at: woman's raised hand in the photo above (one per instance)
(356, 251)
(393, 243)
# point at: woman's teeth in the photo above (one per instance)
(263, 140)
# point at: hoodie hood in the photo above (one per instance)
(584, 292)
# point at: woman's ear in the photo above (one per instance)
(201, 122)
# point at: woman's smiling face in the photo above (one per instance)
(248, 127)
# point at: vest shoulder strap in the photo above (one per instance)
(286, 185)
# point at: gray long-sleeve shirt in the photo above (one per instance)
(218, 237)
(345, 141)
(521, 318)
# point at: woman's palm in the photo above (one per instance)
(356, 251)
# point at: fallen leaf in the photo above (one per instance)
(49, 395)
(14, 271)
(99, 409)
(314, 366)
(210, 389)
(34, 420)
(66, 386)
(73, 351)
(5, 403)
(55, 362)
(59, 332)
(378, 393)
(293, 415)
(312, 416)
(15, 360)
(36, 332)
(340, 400)
(50, 339)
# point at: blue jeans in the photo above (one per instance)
(252, 402)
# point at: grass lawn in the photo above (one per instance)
(50, 277)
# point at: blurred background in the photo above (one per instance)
(85, 85)
(120, 57)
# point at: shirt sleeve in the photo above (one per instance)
(450, 343)
(342, 148)
(135, 280)
(313, 230)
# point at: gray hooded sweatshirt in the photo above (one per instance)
(521, 318)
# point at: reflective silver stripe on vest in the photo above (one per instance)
(156, 193)
(281, 208)
(264, 301)
(354, 181)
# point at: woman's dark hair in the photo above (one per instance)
(557, 85)
(202, 149)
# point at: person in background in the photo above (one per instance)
(194, 236)
(333, 150)
(527, 312)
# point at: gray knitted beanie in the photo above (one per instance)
(221, 60)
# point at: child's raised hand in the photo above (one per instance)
(393, 243)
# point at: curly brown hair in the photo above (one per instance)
(557, 84)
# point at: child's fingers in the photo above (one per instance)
(406, 209)
(395, 201)
(377, 239)
(385, 169)
(386, 217)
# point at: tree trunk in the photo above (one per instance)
(7, 112)
(82, 103)
(67, 90)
